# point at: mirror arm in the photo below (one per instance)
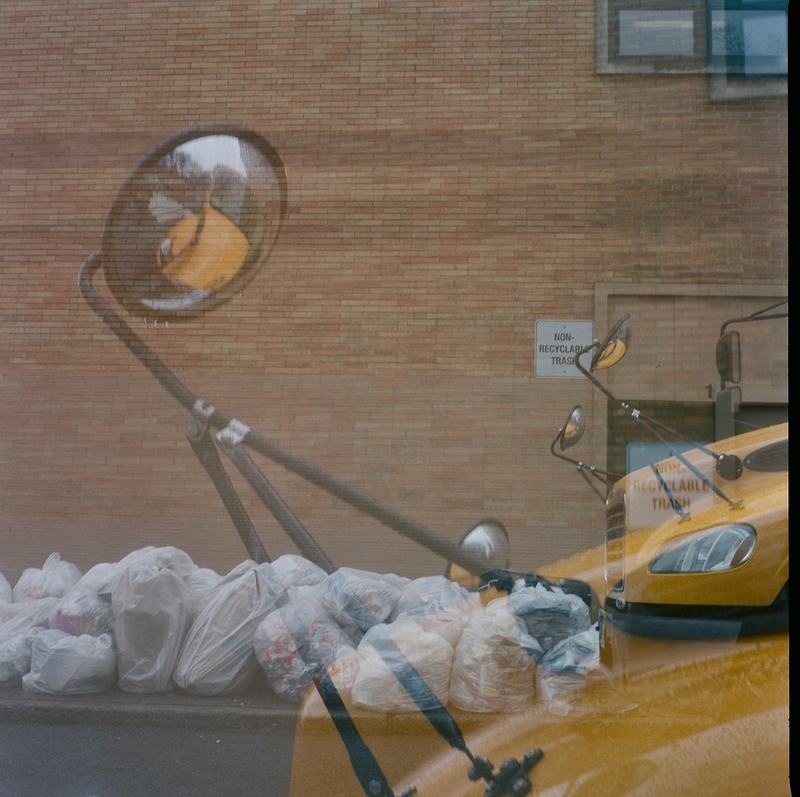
(587, 471)
(365, 503)
(600, 474)
(146, 356)
(311, 473)
(757, 316)
(637, 415)
(206, 452)
(231, 441)
(602, 495)
(590, 376)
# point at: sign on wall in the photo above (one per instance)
(655, 498)
(556, 345)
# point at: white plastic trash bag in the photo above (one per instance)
(199, 583)
(151, 613)
(294, 642)
(6, 594)
(217, 655)
(16, 617)
(564, 671)
(494, 666)
(15, 656)
(295, 572)
(550, 615)
(358, 599)
(243, 568)
(168, 556)
(448, 623)
(83, 611)
(62, 664)
(429, 595)
(401, 667)
(439, 606)
(101, 578)
(54, 580)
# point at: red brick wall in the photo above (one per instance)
(456, 172)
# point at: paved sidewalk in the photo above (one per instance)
(255, 709)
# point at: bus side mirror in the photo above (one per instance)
(193, 222)
(729, 357)
(572, 430)
(487, 540)
(613, 347)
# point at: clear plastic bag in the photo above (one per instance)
(564, 670)
(242, 569)
(54, 580)
(151, 612)
(62, 664)
(549, 614)
(292, 643)
(15, 656)
(199, 583)
(217, 654)
(426, 596)
(358, 599)
(6, 593)
(18, 617)
(100, 578)
(165, 557)
(384, 655)
(295, 571)
(494, 666)
(438, 606)
(83, 611)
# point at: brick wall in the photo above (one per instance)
(455, 171)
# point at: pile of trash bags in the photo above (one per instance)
(155, 621)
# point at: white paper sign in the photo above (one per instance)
(653, 499)
(556, 345)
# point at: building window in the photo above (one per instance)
(748, 39)
(657, 32)
(742, 38)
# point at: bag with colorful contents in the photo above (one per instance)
(298, 640)
(494, 665)
(358, 599)
(83, 611)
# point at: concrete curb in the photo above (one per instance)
(246, 712)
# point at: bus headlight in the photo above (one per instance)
(710, 550)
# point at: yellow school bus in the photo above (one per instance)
(690, 694)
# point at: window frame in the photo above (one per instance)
(735, 81)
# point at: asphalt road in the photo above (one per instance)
(119, 746)
(59, 760)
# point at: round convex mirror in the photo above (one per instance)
(486, 540)
(573, 429)
(193, 222)
(613, 347)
